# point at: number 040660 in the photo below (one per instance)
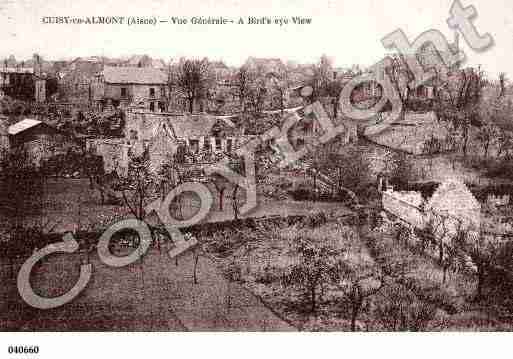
(23, 349)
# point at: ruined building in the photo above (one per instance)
(23, 83)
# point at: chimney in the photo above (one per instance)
(37, 64)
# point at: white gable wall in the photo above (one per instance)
(453, 207)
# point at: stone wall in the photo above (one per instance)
(398, 204)
(114, 153)
(451, 208)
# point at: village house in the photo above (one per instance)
(144, 61)
(264, 65)
(450, 208)
(425, 91)
(114, 152)
(122, 86)
(75, 78)
(194, 132)
(220, 71)
(24, 83)
(40, 140)
(414, 133)
(428, 57)
(308, 129)
(186, 139)
(139, 61)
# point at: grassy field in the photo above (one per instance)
(413, 298)
(115, 299)
(157, 294)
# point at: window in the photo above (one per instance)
(152, 92)
(180, 153)
(206, 144)
(194, 145)
(307, 127)
(152, 106)
(124, 92)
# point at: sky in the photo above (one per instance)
(348, 31)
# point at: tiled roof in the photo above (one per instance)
(134, 60)
(453, 198)
(269, 64)
(26, 70)
(452, 185)
(411, 133)
(192, 126)
(22, 126)
(158, 64)
(134, 75)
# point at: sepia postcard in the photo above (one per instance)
(235, 166)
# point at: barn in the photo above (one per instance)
(39, 139)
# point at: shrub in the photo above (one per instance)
(502, 168)
(316, 219)
(302, 195)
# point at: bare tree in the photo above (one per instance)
(480, 249)
(139, 186)
(400, 77)
(505, 143)
(280, 83)
(486, 135)
(495, 113)
(357, 282)
(243, 82)
(334, 91)
(221, 184)
(257, 95)
(439, 232)
(322, 76)
(502, 84)
(198, 251)
(398, 309)
(348, 170)
(315, 265)
(193, 78)
(457, 99)
(235, 204)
